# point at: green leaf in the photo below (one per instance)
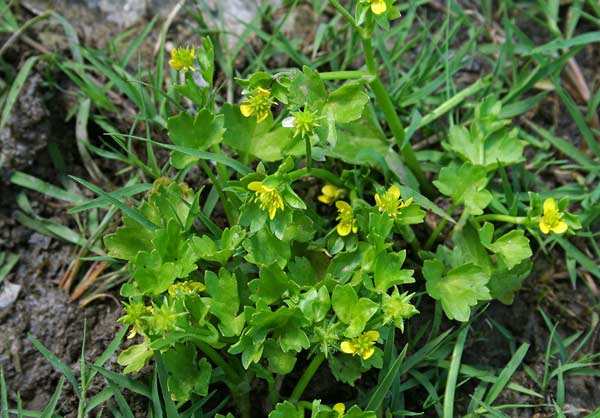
(264, 249)
(347, 102)
(287, 410)
(225, 301)
(135, 357)
(458, 290)
(512, 247)
(466, 185)
(315, 304)
(280, 362)
(249, 138)
(151, 274)
(198, 133)
(351, 310)
(488, 143)
(186, 377)
(271, 286)
(388, 271)
(504, 283)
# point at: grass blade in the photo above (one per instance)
(448, 410)
(56, 363)
(506, 374)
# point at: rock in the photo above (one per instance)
(9, 292)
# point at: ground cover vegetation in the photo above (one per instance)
(345, 220)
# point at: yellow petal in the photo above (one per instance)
(340, 408)
(550, 206)
(560, 228)
(347, 347)
(343, 206)
(246, 110)
(373, 335)
(368, 353)
(343, 229)
(325, 199)
(544, 227)
(329, 190)
(262, 117)
(378, 6)
(394, 191)
(263, 92)
(378, 200)
(256, 186)
(354, 228)
(272, 211)
(407, 203)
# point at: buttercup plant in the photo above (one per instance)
(292, 276)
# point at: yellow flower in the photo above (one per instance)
(258, 103)
(378, 6)
(331, 194)
(347, 221)
(186, 288)
(268, 198)
(550, 221)
(361, 345)
(391, 202)
(340, 408)
(182, 59)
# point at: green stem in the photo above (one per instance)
(438, 229)
(229, 214)
(306, 377)
(347, 15)
(233, 377)
(315, 172)
(517, 220)
(308, 154)
(345, 75)
(393, 121)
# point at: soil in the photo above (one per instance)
(46, 312)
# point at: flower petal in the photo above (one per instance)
(550, 206)
(329, 190)
(343, 229)
(544, 227)
(261, 118)
(328, 200)
(378, 6)
(343, 206)
(340, 408)
(256, 186)
(246, 110)
(394, 191)
(372, 335)
(366, 354)
(560, 228)
(263, 92)
(347, 347)
(272, 211)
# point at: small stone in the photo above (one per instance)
(9, 293)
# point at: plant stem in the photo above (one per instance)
(438, 229)
(347, 15)
(315, 172)
(394, 123)
(216, 358)
(308, 154)
(517, 220)
(345, 75)
(306, 377)
(229, 214)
